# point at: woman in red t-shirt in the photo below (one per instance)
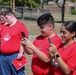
(63, 58)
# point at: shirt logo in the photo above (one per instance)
(7, 37)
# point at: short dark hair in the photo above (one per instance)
(9, 11)
(46, 18)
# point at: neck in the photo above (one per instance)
(5, 23)
(52, 34)
(14, 21)
(68, 43)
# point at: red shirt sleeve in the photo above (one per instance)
(72, 59)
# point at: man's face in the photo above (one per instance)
(9, 19)
(45, 30)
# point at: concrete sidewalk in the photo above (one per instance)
(32, 37)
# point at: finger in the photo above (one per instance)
(50, 49)
(25, 38)
(23, 42)
(51, 44)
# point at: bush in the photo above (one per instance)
(73, 11)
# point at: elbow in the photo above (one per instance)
(46, 60)
(68, 72)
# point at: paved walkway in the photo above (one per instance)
(32, 37)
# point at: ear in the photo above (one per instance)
(11, 16)
(73, 34)
(50, 26)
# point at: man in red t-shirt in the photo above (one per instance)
(41, 64)
(10, 46)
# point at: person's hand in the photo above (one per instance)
(19, 55)
(23, 41)
(27, 43)
(53, 50)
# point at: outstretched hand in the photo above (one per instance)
(27, 43)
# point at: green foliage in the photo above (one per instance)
(4, 2)
(73, 0)
(73, 11)
(29, 3)
(32, 3)
(19, 2)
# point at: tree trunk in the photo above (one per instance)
(63, 12)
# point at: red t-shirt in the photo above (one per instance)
(39, 67)
(1, 28)
(68, 54)
(11, 37)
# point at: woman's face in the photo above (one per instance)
(65, 34)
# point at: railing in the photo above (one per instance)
(34, 13)
(28, 13)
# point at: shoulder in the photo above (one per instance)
(74, 45)
(19, 22)
(20, 25)
(39, 37)
(57, 36)
(1, 25)
(56, 39)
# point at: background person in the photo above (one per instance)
(2, 21)
(2, 18)
(10, 46)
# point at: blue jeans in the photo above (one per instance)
(7, 67)
(0, 64)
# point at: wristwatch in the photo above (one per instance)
(57, 56)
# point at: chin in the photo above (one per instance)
(42, 34)
(64, 41)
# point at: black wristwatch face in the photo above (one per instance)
(57, 55)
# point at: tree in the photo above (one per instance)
(4, 2)
(28, 3)
(62, 8)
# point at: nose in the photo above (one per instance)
(61, 34)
